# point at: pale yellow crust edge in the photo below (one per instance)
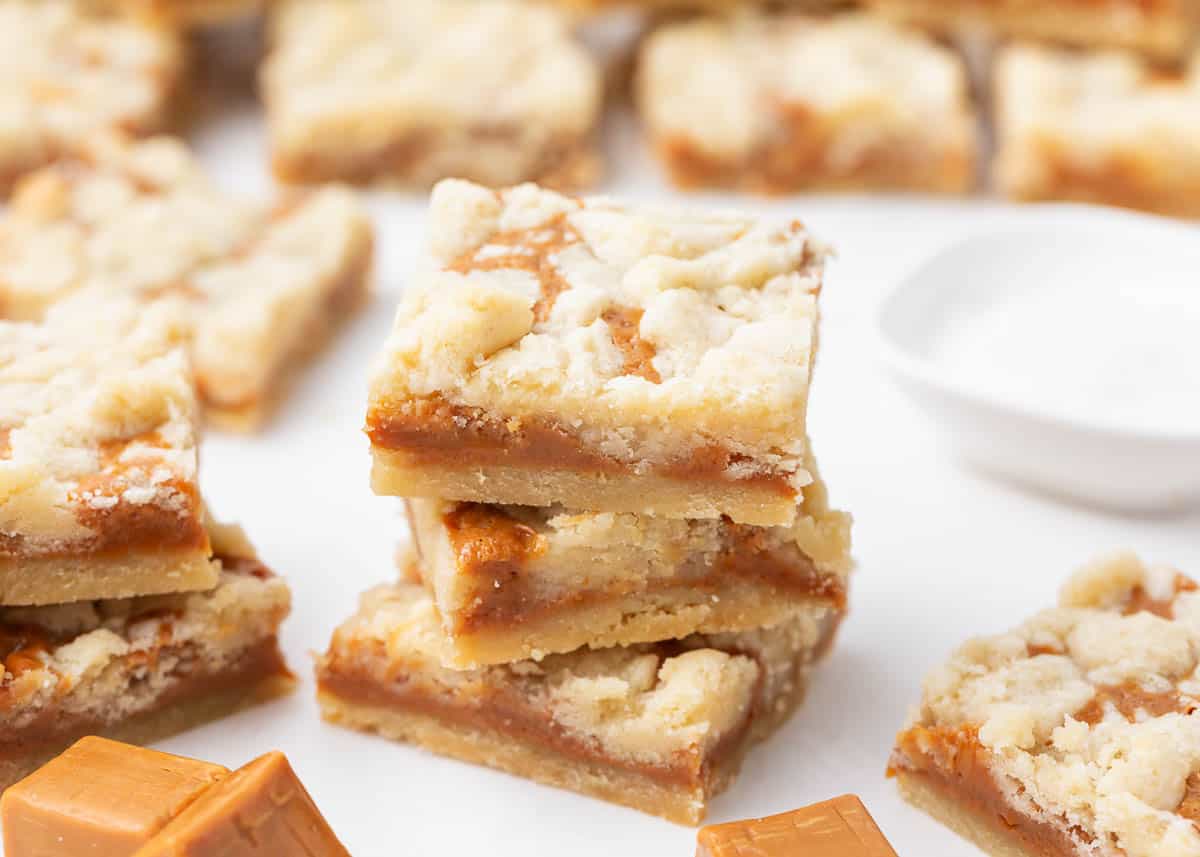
(666, 614)
(33, 581)
(494, 750)
(393, 475)
(161, 724)
(962, 821)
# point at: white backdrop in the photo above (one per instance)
(943, 554)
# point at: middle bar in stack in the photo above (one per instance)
(598, 414)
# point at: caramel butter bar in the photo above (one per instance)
(777, 103)
(140, 669)
(840, 827)
(98, 462)
(600, 356)
(1076, 733)
(412, 91)
(658, 727)
(517, 582)
(262, 284)
(71, 72)
(1105, 127)
(1163, 29)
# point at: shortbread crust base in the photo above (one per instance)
(983, 832)
(787, 168)
(666, 614)
(59, 580)
(421, 160)
(394, 473)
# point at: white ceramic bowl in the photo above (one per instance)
(995, 337)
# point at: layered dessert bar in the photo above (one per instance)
(1103, 127)
(1077, 733)
(98, 490)
(140, 669)
(600, 356)
(659, 727)
(1161, 28)
(517, 582)
(412, 91)
(776, 103)
(262, 283)
(70, 72)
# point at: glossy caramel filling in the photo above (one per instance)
(958, 767)
(493, 548)
(506, 711)
(431, 431)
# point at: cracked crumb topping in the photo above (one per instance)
(728, 86)
(98, 416)
(389, 68)
(65, 74)
(1101, 101)
(1089, 713)
(645, 332)
(254, 278)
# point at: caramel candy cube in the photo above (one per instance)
(260, 809)
(100, 797)
(840, 827)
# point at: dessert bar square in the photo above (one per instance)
(1161, 28)
(98, 490)
(140, 669)
(516, 582)
(1076, 733)
(262, 284)
(412, 91)
(659, 727)
(68, 74)
(777, 103)
(600, 356)
(1103, 127)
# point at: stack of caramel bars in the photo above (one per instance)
(124, 610)
(623, 562)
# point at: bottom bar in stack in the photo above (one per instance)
(660, 727)
(139, 669)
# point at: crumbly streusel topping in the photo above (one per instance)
(1102, 101)
(643, 701)
(396, 66)
(97, 411)
(724, 84)
(65, 73)
(1091, 711)
(144, 220)
(644, 331)
(50, 652)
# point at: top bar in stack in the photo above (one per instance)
(602, 357)
(98, 493)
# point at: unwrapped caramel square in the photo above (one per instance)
(840, 827)
(100, 797)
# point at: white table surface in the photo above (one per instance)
(943, 554)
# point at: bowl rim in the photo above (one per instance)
(912, 367)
